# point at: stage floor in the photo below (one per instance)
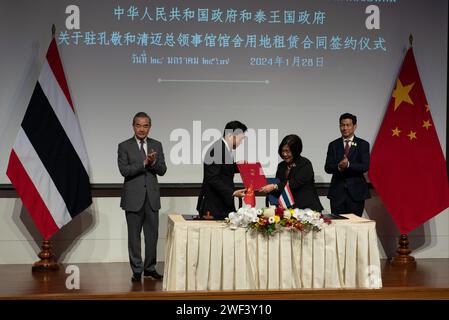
(429, 280)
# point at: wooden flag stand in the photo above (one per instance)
(403, 257)
(47, 262)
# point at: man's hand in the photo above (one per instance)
(268, 188)
(151, 157)
(239, 193)
(343, 164)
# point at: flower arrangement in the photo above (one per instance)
(273, 219)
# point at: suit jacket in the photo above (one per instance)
(301, 179)
(352, 178)
(217, 189)
(140, 180)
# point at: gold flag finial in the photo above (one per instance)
(410, 40)
(53, 30)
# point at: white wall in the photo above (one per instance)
(100, 235)
(107, 90)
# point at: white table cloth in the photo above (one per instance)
(208, 255)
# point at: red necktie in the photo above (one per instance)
(347, 147)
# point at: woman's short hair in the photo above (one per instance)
(294, 142)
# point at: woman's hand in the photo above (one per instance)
(268, 188)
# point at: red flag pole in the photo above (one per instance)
(47, 260)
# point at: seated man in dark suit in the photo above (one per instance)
(217, 191)
(347, 160)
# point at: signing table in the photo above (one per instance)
(208, 255)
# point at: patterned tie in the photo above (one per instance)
(142, 150)
(347, 147)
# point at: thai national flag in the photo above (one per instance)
(286, 199)
(48, 165)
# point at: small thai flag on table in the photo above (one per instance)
(286, 199)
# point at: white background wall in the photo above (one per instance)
(107, 90)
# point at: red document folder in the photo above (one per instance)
(252, 175)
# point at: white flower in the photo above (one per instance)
(269, 212)
(316, 215)
(242, 217)
(354, 144)
(246, 216)
(235, 220)
(249, 215)
(298, 214)
(308, 212)
(319, 224)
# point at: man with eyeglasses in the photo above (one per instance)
(140, 161)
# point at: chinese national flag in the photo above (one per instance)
(250, 197)
(408, 169)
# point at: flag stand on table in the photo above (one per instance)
(286, 199)
(407, 165)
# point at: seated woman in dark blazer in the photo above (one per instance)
(298, 171)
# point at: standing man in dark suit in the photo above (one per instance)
(347, 160)
(217, 191)
(140, 160)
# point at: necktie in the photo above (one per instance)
(346, 147)
(142, 150)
